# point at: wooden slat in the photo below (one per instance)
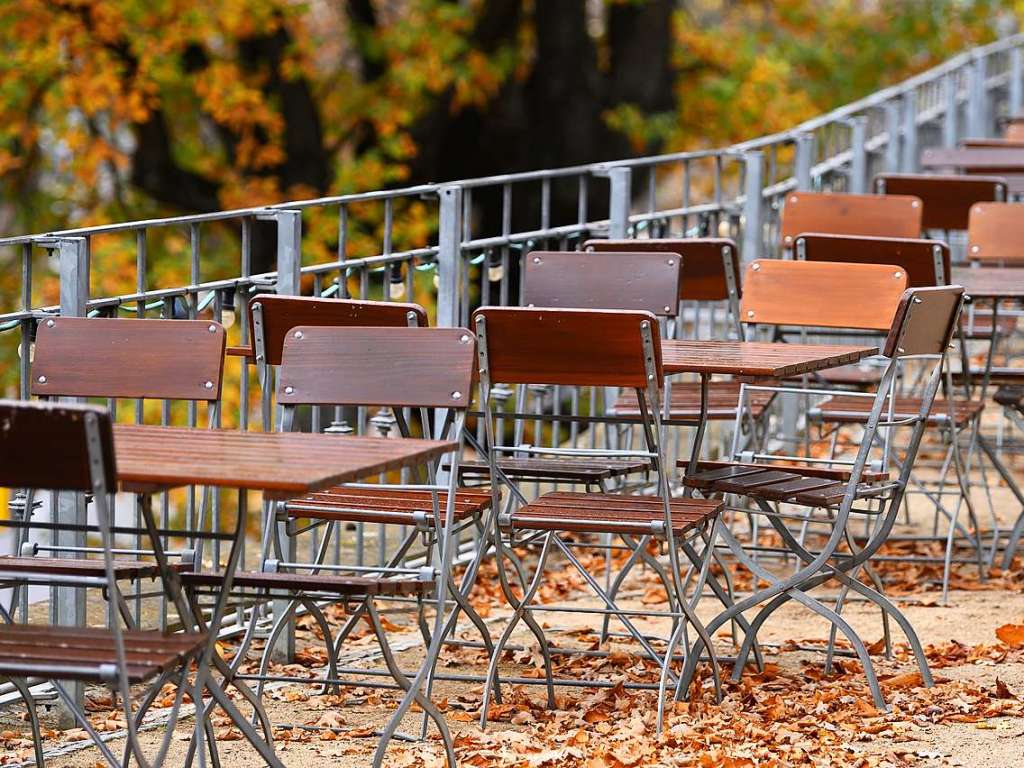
(947, 199)
(61, 566)
(704, 276)
(706, 468)
(577, 470)
(991, 282)
(634, 280)
(723, 397)
(350, 586)
(752, 483)
(916, 256)
(285, 464)
(102, 357)
(757, 359)
(599, 513)
(822, 294)
(844, 214)
(416, 367)
(996, 233)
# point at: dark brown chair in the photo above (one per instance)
(108, 358)
(927, 262)
(947, 199)
(711, 274)
(598, 348)
(70, 448)
(845, 214)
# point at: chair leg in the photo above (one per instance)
(33, 718)
(413, 692)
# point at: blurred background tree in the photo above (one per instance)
(115, 109)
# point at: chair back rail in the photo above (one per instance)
(822, 294)
(927, 262)
(579, 347)
(32, 430)
(996, 233)
(631, 280)
(279, 314)
(705, 274)
(400, 367)
(845, 214)
(104, 357)
(947, 199)
(925, 321)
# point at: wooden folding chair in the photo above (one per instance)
(576, 347)
(396, 368)
(845, 214)
(70, 448)
(112, 359)
(709, 294)
(922, 323)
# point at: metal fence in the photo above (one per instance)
(477, 231)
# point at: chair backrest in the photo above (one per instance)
(634, 280)
(104, 357)
(1014, 130)
(707, 263)
(996, 233)
(401, 367)
(822, 294)
(843, 214)
(947, 199)
(46, 446)
(275, 315)
(577, 347)
(927, 262)
(924, 322)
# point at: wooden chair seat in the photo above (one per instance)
(829, 473)
(381, 505)
(773, 483)
(843, 409)
(584, 471)
(848, 376)
(11, 567)
(347, 586)
(723, 397)
(980, 326)
(610, 513)
(87, 653)
(1008, 376)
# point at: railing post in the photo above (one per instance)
(67, 604)
(752, 203)
(449, 255)
(949, 117)
(289, 276)
(620, 197)
(977, 100)
(859, 155)
(892, 129)
(289, 250)
(909, 159)
(804, 162)
(1016, 88)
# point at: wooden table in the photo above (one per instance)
(991, 282)
(756, 359)
(282, 465)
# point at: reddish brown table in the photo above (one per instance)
(282, 465)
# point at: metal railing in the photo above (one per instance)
(461, 243)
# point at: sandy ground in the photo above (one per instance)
(965, 651)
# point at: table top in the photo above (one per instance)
(976, 158)
(282, 465)
(991, 282)
(771, 360)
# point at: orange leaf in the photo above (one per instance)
(1012, 635)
